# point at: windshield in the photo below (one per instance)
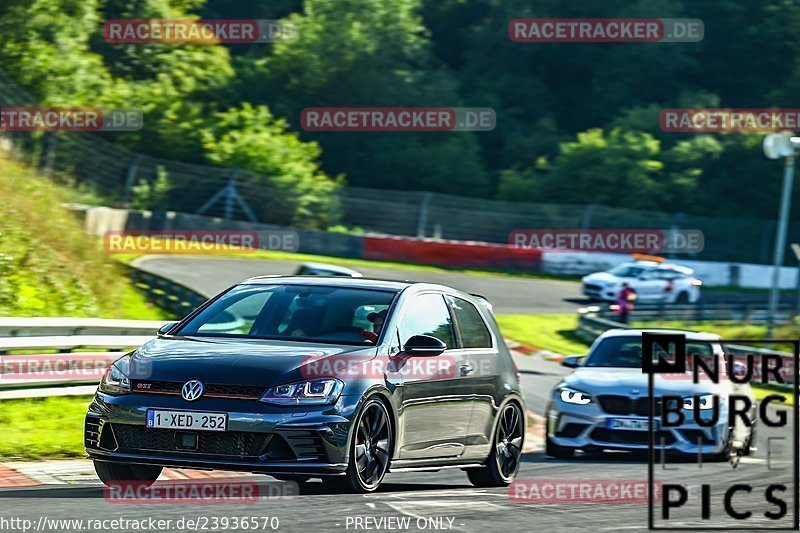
(312, 313)
(626, 352)
(626, 271)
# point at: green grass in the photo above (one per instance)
(42, 428)
(48, 265)
(547, 332)
(728, 330)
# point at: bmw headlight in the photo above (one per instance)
(313, 392)
(114, 381)
(569, 395)
(706, 402)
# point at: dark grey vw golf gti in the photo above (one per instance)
(301, 377)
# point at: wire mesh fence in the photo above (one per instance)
(112, 172)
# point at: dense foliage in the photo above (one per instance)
(576, 123)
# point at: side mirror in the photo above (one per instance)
(572, 361)
(423, 346)
(165, 328)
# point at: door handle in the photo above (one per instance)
(466, 369)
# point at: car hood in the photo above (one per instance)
(603, 278)
(632, 382)
(225, 361)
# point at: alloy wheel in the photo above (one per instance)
(372, 446)
(508, 441)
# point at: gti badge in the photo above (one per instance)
(192, 390)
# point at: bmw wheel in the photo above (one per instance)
(504, 461)
(370, 451)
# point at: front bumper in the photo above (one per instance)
(599, 292)
(259, 438)
(587, 427)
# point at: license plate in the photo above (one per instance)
(632, 424)
(157, 419)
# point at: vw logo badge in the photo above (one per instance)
(192, 390)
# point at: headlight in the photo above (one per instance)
(706, 402)
(314, 392)
(114, 381)
(574, 396)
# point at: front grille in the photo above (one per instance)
(622, 405)
(91, 432)
(306, 444)
(590, 287)
(618, 436)
(571, 430)
(214, 390)
(693, 435)
(229, 443)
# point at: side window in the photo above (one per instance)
(428, 315)
(471, 325)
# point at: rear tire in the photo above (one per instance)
(504, 461)
(113, 473)
(370, 451)
(682, 298)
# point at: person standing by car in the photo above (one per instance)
(625, 300)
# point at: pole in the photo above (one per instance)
(780, 241)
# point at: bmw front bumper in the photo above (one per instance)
(588, 427)
(259, 438)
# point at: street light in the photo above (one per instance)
(780, 145)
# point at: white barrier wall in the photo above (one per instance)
(713, 274)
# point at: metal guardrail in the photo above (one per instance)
(66, 366)
(173, 297)
(744, 312)
(591, 326)
(67, 326)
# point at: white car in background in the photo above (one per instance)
(652, 280)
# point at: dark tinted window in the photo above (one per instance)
(315, 313)
(626, 352)
(428, 315)
(471, 325)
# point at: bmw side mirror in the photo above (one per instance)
(165, 328)
(572, 361)
(423, 346)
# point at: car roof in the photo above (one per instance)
(690, 335)
(657, 265)
(362, 283)
(331, 281)
(331, 268)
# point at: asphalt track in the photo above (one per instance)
(509, 295)
(444, 500)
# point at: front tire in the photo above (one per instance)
(504, 461)
(115, 473)
(370, 451)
